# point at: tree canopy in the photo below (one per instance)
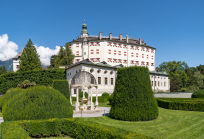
(64, 57)
(3, 69)
(29, 60)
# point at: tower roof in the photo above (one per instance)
(84, 28)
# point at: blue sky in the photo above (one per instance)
(174, 27)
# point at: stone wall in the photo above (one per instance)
(174, 95)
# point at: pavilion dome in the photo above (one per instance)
(83, 78)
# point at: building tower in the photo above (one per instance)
(84, 32)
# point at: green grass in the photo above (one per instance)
(171, 124)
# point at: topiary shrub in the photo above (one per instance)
(39, 102)
(133, 98)
(105, 95)
(198, 94)
(25, 84)
(62, 86)
(10, 93)
(110, 98)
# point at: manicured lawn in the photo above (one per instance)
(171, 124)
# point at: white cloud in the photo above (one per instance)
(45, 54)
(7, 48)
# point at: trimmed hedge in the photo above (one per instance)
(133, 98)
(74, 127)
(198, 94)
(188, 104)
(63, 87)
(38, 102)
(40, 77)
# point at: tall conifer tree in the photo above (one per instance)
(29, 59)
(3, 69)
(64, 57)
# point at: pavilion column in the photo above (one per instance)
(96, 97)
(92, 107)
(83, 92)
(71, 91)
(77, 101)
(89, 102)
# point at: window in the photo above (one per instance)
(98, 43)
(142, 55)
(119, 61)
(114, 60)
(109, 51)
(158, 83)
(132, 47)
(136, 54)
(92, 59)
(91, 70)
(108, 43)
(147, 50)
(111, 44)
(109, 59)
(152, 57)
(152, 83)
(106, 80)
(99, 80)
(124, 53)
(97, 51)
(137, 48)
(84, 53)
(92, 44)
(74, 91)
(152, 50)
(155, 83)
(119, 52)
(125, 61)
(92, 51)
(137, 62)
(121, 45)
(92, 80)
(76, 71)
(125, 46)
(161, 83)
(77, 45)
(77, 53)
(147, 63)
(114, 45)
(132, 55)
(164, 83)
(132, 62)
(17, 66)
(147, 56)
(152, 64)
(114, 52)
(117, 45)
(98, 59)
(142, 63)
(111, 81)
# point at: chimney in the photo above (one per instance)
(110, 36)
(120, 37)
(127, 38)
(140, 41)
(100, 35)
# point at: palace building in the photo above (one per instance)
(102, 55)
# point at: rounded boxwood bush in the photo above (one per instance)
(133, 98)
(105, 95)
(38, 102)
(198, 94)
(9, 94)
